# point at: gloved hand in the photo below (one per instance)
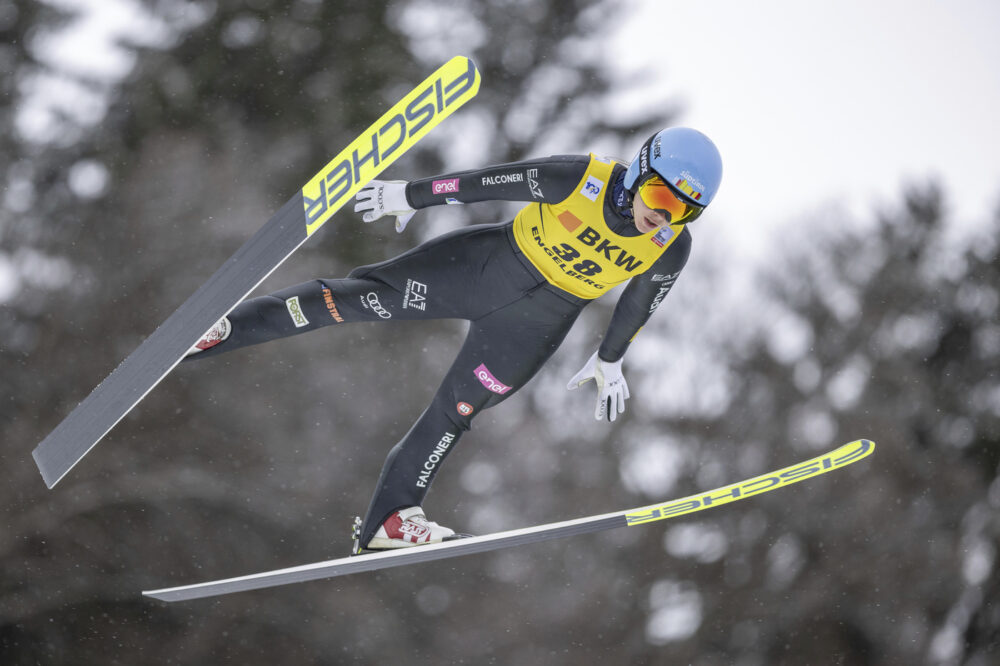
(612, 389)
(384, 197)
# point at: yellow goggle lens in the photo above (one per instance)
(658, 196)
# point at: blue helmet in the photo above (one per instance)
(685, 159)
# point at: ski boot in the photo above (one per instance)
(403, 529)
(219, 332)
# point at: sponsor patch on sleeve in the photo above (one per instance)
(447, 186)
(663, 236)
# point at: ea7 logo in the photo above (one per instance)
(415, 296)
(536, 190)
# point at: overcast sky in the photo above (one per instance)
(813, 104)
(825, 102)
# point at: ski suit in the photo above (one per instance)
(521, 285)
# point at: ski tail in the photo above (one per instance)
(834, 460)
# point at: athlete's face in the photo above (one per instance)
(646, 219)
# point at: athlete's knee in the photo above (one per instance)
(461, 407)
(361, 298)
(362, 272)
(324, 301)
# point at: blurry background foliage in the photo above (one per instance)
(124, 190)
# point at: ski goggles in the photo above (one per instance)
(659, 196)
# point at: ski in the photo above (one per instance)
(422, 109)
(836, 459)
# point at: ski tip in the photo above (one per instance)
(849, 453)
(466, 60)
(864, 446)
(472, 73)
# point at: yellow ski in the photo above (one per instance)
(444, 91)
(836, 459)
(454, 84)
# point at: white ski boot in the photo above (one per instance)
(214, 336)
(404, 529)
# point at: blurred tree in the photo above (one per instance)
(259, 459)
(889, 333)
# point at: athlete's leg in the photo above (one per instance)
(446, 277)
(298, 309)
(501, 353)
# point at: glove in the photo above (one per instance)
(612, 389)
(384, 197)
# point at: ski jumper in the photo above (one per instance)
(520, 284)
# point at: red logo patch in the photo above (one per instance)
(464, 408)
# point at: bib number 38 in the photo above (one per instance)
(568, 253)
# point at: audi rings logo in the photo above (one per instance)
(372, 300)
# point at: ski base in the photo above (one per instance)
(836, 459)
(442, 93)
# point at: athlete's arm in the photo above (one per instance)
(642, 296)
(545, 180)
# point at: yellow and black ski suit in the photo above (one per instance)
(521, 285)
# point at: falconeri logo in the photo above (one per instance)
(503, 179)
(438, 454)
(295, 310)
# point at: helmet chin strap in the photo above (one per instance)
(623, 197)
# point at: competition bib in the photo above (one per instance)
(571, 244)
